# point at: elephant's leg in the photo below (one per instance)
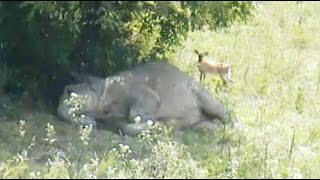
(121, 125)
(87, 120)
(134, 129)
(210, 125)
(189, 119)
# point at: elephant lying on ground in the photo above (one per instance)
(154, 91)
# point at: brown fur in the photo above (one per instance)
(210, 67)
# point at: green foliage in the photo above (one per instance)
(274, 96)
(15, 168)
(6, 75)
(218, 13)
(274, 102)
(167, 159)
(46, 40)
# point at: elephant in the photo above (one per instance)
(156, 91)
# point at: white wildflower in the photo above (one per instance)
(150, 123)
(137, 119)
(35, 175)
(74, 95)
(22, 122)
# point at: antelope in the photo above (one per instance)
(210, 67)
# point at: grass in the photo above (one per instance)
(274, 100)
(275, 94)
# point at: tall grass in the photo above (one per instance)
(275, 96)
(274, 101)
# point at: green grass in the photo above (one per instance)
(275, 100)
(275, 93)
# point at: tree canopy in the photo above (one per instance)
(42, 42)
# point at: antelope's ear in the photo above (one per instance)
(196, 51)
(206, 53)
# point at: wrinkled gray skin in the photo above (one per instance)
(154, 91)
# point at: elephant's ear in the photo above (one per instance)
(152, 94)
(145, 102)
(111, 91)
(143, 92)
